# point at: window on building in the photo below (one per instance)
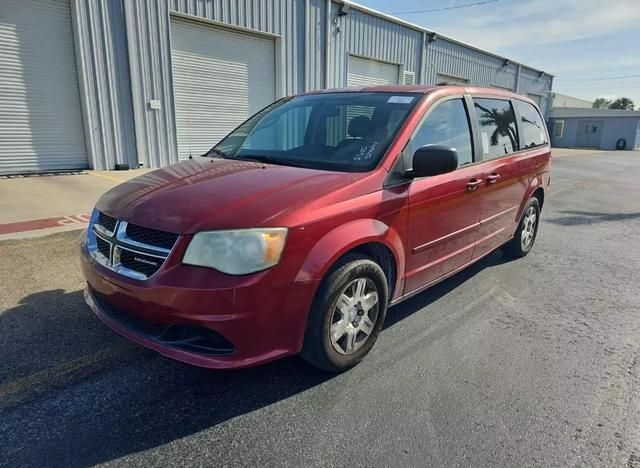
(532, 130)
(558, 128)
(447, 124)
(497, 125)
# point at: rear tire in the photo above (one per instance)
(525, 235)
(347, 314)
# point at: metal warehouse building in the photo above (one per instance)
(594, 128)
(90, 83)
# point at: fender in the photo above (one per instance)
(346, 237)
(536, 183)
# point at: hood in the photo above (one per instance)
(206, 193)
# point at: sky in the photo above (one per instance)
(581, 42)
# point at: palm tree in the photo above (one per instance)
(622, 103)
(504, 122)
(601, 103)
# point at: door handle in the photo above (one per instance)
(493, 178)
(473, 184)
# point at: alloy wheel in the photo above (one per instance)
(529, 225)
(354, 317)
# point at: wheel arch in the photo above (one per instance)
(535, 189)
(370, 237)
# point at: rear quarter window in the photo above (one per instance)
(497, 127)
(532, 129)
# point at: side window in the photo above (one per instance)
(497, 127)
(532, 130)
(447, 124)
(558, 129)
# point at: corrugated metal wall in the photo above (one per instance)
(103, 67)
(365, 35)
(126, 62)
(148, 44)
(449, 58)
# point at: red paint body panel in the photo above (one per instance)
(431, 226)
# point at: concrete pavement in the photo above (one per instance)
(53, 202)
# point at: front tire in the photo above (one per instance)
(347, 314)
(525, 235)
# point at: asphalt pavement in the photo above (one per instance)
(530, 362)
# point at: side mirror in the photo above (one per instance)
(430, 160)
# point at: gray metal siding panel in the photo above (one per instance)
(147, 26)
(103, 61)
(260, 15)
(365, 35)
(316, 39)
(531, 82)
(448, 58)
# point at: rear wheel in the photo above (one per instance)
(525, 235)
(347, 314)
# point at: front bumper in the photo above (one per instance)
(245, 321)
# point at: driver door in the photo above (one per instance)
(444, 210)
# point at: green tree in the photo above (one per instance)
(601, 103)
(622, 103)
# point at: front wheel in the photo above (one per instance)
(347, 314)
(525, 235)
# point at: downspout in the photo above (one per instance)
(423, 47)
(307, 77)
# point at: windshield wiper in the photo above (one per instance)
(215, 151)
(263, 158)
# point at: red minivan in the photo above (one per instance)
(297, 231)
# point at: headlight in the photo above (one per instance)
(237, 252)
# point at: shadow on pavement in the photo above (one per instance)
(135, 399)
(574, 218)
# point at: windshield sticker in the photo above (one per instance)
(366, 152)
(400, 99)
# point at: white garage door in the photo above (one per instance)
(220, 78)
(365, 72)
(40, 117)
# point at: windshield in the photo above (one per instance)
(347, 131)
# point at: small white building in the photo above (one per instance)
(562, 100)
(606, 129)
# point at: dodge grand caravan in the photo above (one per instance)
(297, 231)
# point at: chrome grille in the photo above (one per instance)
(107, 222)
(162, 239)
(131, 250)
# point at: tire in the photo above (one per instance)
(525, 235)
(332, 342)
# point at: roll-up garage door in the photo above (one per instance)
(366, 72)
(220, 78)
(40, 115)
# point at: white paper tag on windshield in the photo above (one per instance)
(400, 99)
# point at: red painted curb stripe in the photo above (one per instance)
(45, 223)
